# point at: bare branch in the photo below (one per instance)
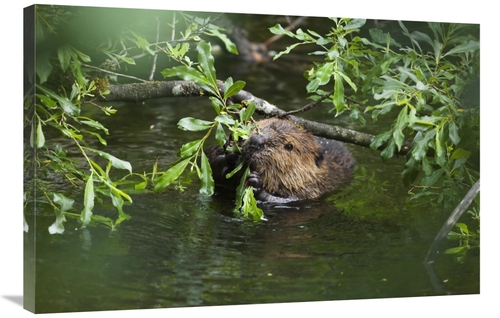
(137, 92)
(452, 220)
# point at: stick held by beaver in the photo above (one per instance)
(286, 163)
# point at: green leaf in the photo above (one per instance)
(374, 73)
(356, 115)
(216, 104)
(220, 135)
(64, 57)
(421, 143)
(347, 79)
(433, 178)
(302, 36)
(207, 181)
(43, 66)
(230, 46)
(117, 201)
(250, 207)
(460, 153)
(408, 73)
(453, 133)
(380, 139)
(235, 170)
(141, 185)
(468, 47)
(228, 83)
(454, 236)
(355, 24)
(338, 94)
(40, 138)
(67, 106)
(278, 29)
(125, 59)
(378, 36)
(117, 163)
(247, 112)
(287, 50)
(388, 151)
(190, 148)
(101, 140)
(190, 74)
(440, 148)
(240, 190)
(426, 166)
(313, 85)
(95, 124)
(417, 35)
(103, 220)
(47, 101)
(171, 174)
(234, 89)
(142, 43)
(400, 124)
(225, 119)
(117, 191)
(63, 202)
(58, 226)
(82, 56)
(410, 172)
(206, 61)
(88, 201)
(456, 250)
(324, 73)
(463, 228)
(333, 53)
(193, 124)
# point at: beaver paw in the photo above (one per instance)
(254, 180)
(232, 159)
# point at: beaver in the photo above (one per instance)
(287, 163)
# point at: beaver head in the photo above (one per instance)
(288, 159)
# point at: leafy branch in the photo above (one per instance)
(423, 84)
(205, 77)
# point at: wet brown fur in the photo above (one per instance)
(292, 163)
(287, 162)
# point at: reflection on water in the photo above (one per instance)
(180, 250)
(183, 249)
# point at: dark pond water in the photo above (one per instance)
(184, 249)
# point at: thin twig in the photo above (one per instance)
(113, 73)
(173, 29)
(153, 69)
(308, 106)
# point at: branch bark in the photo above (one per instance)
(138, 92)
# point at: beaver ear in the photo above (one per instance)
(320, 155)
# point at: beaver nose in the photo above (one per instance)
(254, 144)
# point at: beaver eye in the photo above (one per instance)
(289, 147)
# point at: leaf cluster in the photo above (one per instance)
(467, 239)
(235, 118)
(420, 85)
(65, 82)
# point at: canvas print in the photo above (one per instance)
(187, 159)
